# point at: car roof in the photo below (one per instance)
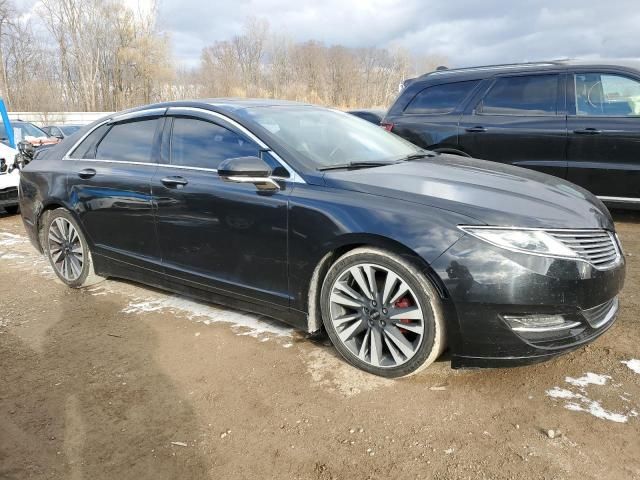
(484, 71)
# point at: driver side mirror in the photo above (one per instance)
(248, 170)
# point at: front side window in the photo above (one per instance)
(440, 99)
(128, 142)
(600, 94)
(530, 95)
(199, 143)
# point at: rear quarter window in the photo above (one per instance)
(439, 99)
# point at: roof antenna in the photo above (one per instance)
(442, 67)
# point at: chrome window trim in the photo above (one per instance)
(619, 199)
(612, 235)
(294, 177)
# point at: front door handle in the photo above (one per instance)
(174, 182)
(588, 131)
(476, 129)
(86, 173)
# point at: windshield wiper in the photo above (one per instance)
(418, 156)
(354, 165)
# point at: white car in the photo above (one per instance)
(9, 181)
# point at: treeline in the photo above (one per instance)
(98, 55)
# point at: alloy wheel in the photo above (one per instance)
(65, 249)
(376, 315)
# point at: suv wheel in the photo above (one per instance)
(67, 249)
(381, 313)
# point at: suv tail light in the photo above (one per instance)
(387, 126)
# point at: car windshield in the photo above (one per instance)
(324, 138)
(28, 129)
(69, 129)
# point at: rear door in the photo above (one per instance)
(110, 186)
(604, 133)
(519, 120)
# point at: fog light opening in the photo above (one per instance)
(539, 323)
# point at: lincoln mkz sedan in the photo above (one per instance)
(326, 221)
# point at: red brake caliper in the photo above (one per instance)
(404, 302)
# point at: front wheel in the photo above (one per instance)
(67, 249)
(381, 313)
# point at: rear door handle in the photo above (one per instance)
(476, 129)
(86, 173)
(588, 131)
(173, 182)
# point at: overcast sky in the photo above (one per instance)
(465, 32)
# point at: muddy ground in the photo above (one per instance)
(121, 381)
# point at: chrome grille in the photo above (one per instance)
(601, 314)
(598, 247)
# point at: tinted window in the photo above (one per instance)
(87, 148)
(606, 95)
(128, 142)
(525, 95)
(198, 143)
(440, 98)
(69, 129)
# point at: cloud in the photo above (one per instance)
(466, 32)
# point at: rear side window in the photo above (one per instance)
(601, 94)
(440, 98)
(87, 148)
(128, 142)
(524, 95)
(199, 143)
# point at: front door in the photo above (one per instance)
(109, 180)
(225, 237)
(604, 134)
(519, 120)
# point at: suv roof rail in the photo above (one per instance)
(548, 63)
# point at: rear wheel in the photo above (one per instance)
(381, 313)
(67, 249)
(12, 210)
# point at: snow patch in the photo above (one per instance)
(9, 239)
(588, 379)
(633, 364)
(580, 402)
(242, 323)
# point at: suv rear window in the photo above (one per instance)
(530, 95)
(440, 98)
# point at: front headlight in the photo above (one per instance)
(535, 242)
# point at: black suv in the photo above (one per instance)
(576, 120)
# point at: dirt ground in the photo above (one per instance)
(120, 381)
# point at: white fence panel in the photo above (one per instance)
(57, 118)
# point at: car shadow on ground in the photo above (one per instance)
(74, 402)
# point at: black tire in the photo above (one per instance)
(84, 274)
(423, 294)
(12, 210)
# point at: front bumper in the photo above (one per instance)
(485, 284)
(8, 197)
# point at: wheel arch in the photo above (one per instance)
(350, 242)
(49, 205)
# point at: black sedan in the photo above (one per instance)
(317, 218)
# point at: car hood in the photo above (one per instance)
(489, 193)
